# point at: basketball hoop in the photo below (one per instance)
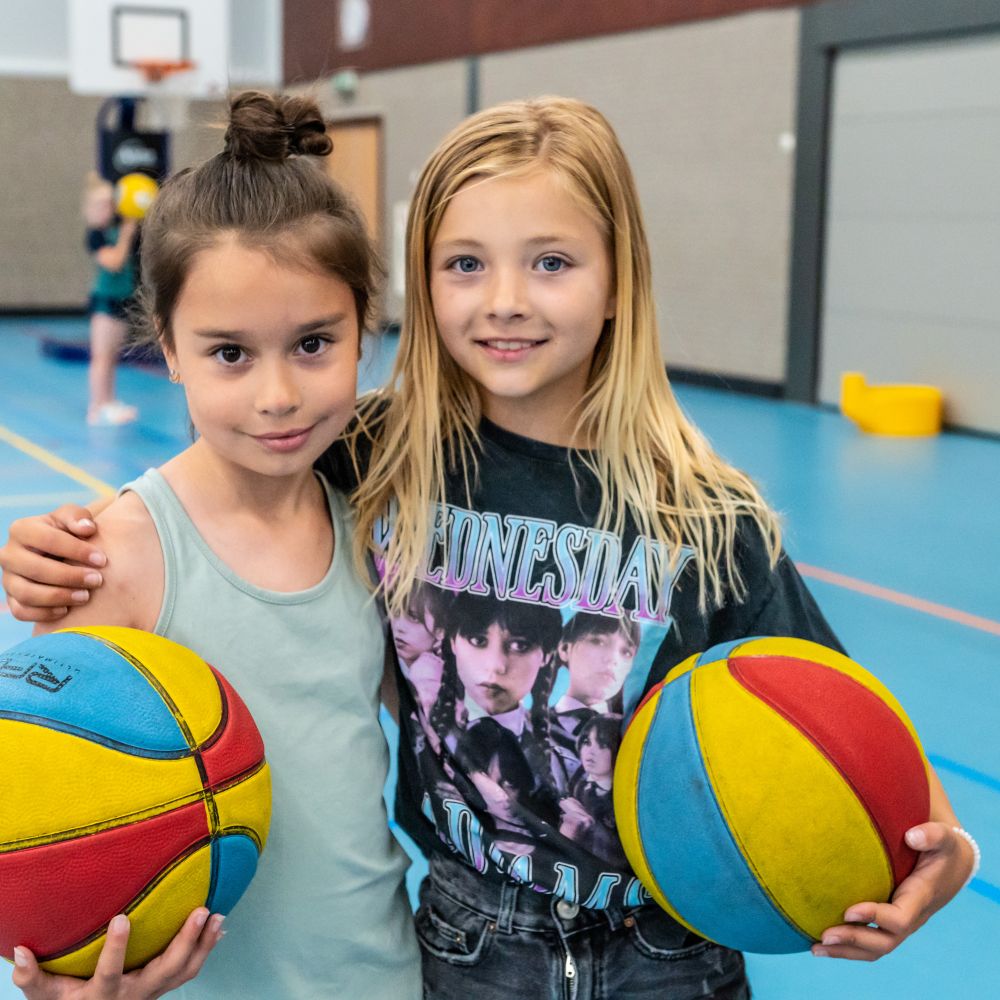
(155, 70)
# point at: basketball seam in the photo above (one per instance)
(59, 726)
(111, 823)
(825, 753)
(134, 902)
(153, 681)
(738, 842)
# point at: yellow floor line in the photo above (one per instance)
(40, 500)
(55, 462)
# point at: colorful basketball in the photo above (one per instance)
(134, 194)
(134, 782)
(764, 788)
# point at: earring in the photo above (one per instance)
(173, 376)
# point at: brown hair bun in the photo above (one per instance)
(265, 127)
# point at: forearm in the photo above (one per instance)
(941, 810)
(114, 257)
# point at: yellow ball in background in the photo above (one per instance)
(134, 193)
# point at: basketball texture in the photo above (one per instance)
(764, 788)
(134, 782)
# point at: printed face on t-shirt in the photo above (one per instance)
(598, 665)
(412, 636)
(496, 667)
(499, 795)
(596, 760)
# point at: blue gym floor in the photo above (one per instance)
(900, 539)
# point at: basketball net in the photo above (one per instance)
(166, 109)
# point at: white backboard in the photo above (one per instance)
(106, 36)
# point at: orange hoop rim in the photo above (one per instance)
(155, 70)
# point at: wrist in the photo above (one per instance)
(977, 856)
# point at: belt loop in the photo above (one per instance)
(508, 904)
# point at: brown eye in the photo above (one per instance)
(230, 354)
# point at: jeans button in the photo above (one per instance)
(566, 911)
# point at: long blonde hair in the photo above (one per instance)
(652, 463)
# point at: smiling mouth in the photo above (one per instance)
(503, 346)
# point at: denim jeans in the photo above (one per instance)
(496, 941)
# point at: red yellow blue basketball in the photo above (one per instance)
(764, 788)
(134, 782)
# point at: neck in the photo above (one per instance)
(537, 421)
(202, 478)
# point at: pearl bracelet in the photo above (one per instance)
(977, 855)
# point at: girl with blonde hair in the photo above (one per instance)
(530, 413)
(530, 450)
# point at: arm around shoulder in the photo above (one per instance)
(133, 592)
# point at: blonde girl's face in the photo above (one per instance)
(521, 286)
(268, 356)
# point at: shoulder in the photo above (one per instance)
(94, 240)
(131, 541)
(133, 579)
(776, 599)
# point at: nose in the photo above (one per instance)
(277, 390)
(496, 660)
(507, 301)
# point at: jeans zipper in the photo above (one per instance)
(571, 975)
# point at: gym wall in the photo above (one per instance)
(49, 147)
(704, 110)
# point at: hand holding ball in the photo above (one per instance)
(764, 788)
(134, 782)
(134, 193)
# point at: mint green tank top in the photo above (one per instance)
(327, 914)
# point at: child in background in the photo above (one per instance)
(112, 242)
(257, 278)
(531, 451)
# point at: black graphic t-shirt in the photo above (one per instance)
(529, 642)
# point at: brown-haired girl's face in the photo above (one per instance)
(268, 356)
(521, 285)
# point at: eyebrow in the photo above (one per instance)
(471, 244)
(317, 324)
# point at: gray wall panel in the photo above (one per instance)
(48, 146)
(701, 110)
(950, 354)
(417, 106)
(912, 253)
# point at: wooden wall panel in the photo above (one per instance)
(408, 32)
